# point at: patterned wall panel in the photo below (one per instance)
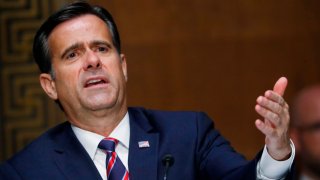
(25, 110)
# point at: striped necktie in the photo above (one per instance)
(115, 169)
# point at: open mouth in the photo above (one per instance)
(94, 82)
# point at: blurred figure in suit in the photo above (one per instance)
(305, 132)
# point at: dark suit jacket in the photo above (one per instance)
(199, 151)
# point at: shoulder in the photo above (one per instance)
(42, 145)
(35, 155)
(172, 119)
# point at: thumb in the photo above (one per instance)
(280, 85)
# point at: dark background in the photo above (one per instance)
(205, 55)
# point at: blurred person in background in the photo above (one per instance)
(305, 132)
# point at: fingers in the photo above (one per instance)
(273, 96)
(275, 120)
(268, 115)
(265, 129)
(273, 108)
(270, 104)
(280, 86)
(272, 101)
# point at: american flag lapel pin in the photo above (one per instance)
(143, 144)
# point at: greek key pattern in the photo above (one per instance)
(25, 109)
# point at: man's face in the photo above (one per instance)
(310, 147)
(90, 75)
(308, 133)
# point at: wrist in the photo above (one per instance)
(280, 154)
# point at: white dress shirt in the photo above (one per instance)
(90, 142)
(267, 168)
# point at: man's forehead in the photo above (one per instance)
(79, 21)
(79, 30)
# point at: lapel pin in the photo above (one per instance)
(143, 144)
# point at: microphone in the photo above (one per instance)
(167, 161)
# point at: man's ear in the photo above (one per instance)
(48, 85)
(124, 66)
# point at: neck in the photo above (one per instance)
(99, 122)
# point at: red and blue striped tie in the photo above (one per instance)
(115, 168)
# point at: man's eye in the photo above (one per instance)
(102, 49)
(71, 55)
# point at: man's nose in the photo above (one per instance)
(92, 61)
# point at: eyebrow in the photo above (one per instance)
(97, 42)
(78, 45)
(73, 46)
(310, 127)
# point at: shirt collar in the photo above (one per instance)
(90, 140)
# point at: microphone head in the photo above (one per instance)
(167, 160)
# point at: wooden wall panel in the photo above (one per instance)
(25, 110)
(217, 56)
(204, 55)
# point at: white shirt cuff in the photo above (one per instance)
(270, 169)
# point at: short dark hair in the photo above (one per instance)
(41, 51)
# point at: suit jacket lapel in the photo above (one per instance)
(71, 158)
(143, 161)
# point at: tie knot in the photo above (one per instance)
(108, 144)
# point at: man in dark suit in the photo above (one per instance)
(82, 68)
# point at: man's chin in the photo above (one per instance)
(96, 106)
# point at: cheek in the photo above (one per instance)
(66, 80)
(115, 70)
(67, 70)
